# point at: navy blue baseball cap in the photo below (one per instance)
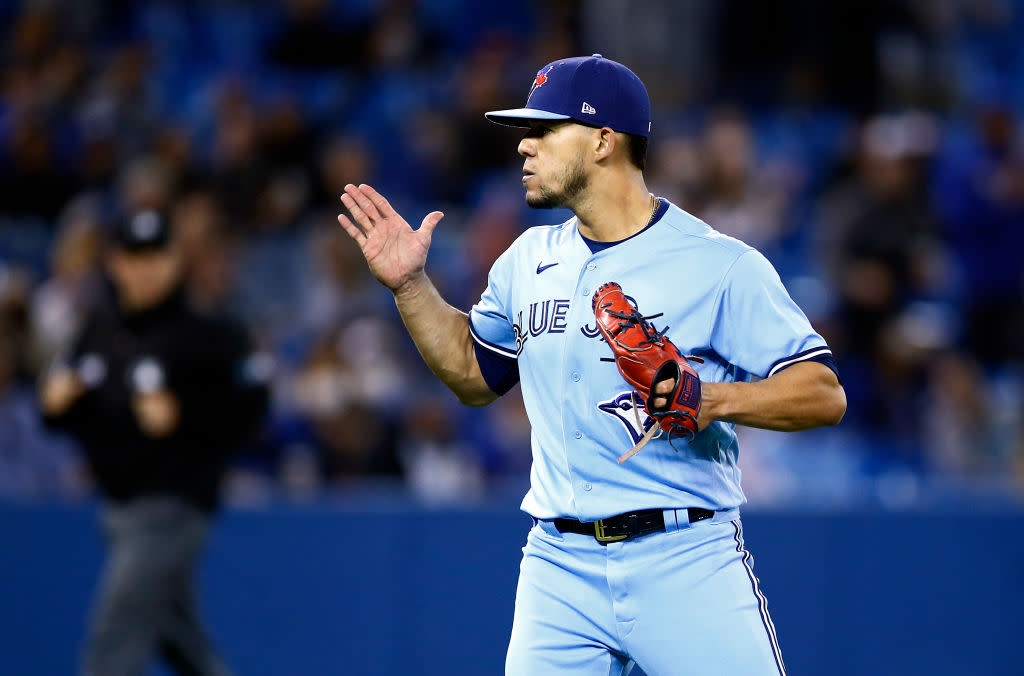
(589, 89)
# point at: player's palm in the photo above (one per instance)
(394, 251)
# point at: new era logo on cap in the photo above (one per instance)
(590, 89)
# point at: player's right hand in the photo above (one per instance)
(395, 252)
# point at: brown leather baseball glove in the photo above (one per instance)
(646, 357)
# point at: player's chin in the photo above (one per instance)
(542, 199)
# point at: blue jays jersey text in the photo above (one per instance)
(721, 300)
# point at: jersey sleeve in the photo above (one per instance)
(491, 326)
(757, 325)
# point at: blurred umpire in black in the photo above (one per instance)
(158, 396)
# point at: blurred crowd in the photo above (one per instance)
(874, 151)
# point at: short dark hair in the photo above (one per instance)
(637, 150)
(636, 146)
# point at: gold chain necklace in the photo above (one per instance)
(654, 209)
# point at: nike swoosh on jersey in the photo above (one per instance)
(541, 267)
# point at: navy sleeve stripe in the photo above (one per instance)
(498, 349)
(828, 361)
(821, 354)
(500, 373)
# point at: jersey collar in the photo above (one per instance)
(596, 246)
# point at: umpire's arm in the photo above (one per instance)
(805, 395)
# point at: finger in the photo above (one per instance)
(659, 402)
(358, 215)
(364, 202)
(430, 222)
(665, 386)
(379, 201)
(353, 231)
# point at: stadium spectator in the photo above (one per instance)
(438, 464)
(341, 400)
(744, 198)
(979, 193)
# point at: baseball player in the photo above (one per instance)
(637, 332)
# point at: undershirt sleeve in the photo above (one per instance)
(500, 372)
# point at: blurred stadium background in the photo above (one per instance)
(873, 150)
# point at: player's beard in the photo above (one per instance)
(574, 182)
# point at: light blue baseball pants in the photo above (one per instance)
(679, 603)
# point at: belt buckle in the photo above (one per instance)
(599, 534)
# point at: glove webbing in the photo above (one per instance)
(634, 318)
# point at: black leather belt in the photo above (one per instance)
(624, 526)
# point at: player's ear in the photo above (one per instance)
(605, 143)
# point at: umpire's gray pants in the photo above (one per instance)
(145, 602)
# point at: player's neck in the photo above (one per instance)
(615, 210)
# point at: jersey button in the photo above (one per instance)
(575, 376)
(578, 434)
(591, 266)
(585, 292)
(587, 486)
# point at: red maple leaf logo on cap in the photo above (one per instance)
(542, 77)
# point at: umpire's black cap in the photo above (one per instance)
(142, 231)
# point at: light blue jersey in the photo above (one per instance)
(722, 301)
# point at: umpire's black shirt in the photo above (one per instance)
(205, 361)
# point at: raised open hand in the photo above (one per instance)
(394, 251)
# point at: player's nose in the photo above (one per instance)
(527, 148)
